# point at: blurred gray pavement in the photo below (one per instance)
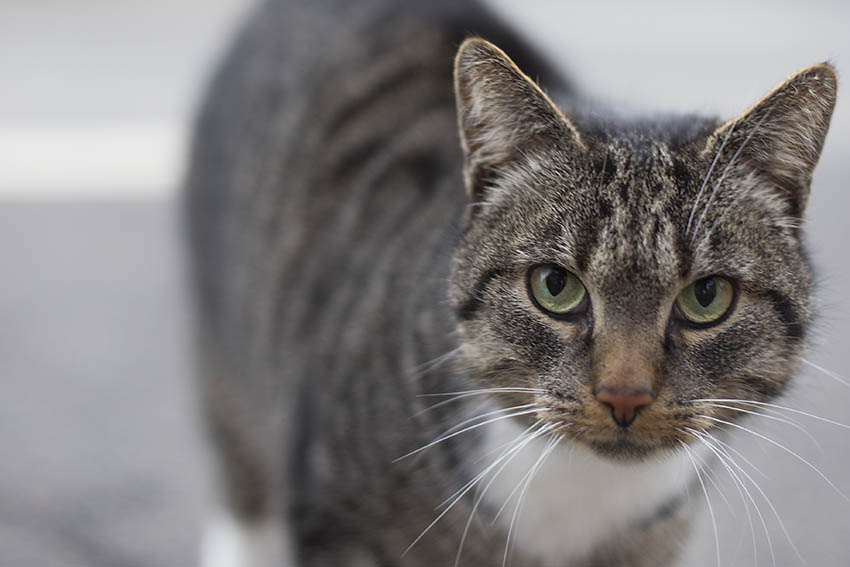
(100, 453)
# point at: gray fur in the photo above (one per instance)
(328, 220)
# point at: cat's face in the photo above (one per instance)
(622, 276)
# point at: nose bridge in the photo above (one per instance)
(626, 361)
(625, 374)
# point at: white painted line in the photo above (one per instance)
(79, 160)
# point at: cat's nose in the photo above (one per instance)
(624, 405)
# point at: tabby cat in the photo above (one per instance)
(398, 371)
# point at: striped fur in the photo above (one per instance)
(341, 271)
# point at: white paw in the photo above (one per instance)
(229, 542)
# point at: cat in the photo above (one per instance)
(424, 348)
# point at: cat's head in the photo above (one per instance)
(617, 274)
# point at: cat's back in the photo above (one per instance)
(293, 150)
(328, 133)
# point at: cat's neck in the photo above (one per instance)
(578, 500)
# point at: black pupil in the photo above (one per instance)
(705, 290)
(555, 281)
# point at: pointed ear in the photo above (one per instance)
(500, 112)
(782, 135)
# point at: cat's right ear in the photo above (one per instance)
(501, 112)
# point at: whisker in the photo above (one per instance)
(772, 411)
(790, 222)
(486, 414)
(547, 450)
(508, 499)
(830, 373)
(784, 448)
(707, 500)
(695, 434)
(778, 407)
(742, 489)
(440, 404)
(741, 486)
(779, 419)
(704, 466)
(743, 457)
(430, 365)
(463, 492)
(502, 446)
(726, 170)
(468, 393)
(775, 513)
(480, 496)
(469, 428)
(484, 391)
(516, 445)
(708, 176)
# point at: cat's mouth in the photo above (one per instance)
(622, 449)
(650, 436)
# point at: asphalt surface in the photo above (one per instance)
(101, 458)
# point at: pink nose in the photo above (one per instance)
(624, 407)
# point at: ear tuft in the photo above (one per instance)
(500, 111)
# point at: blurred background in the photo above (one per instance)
(103, 461)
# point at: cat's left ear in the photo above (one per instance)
(782, 135)
(501, 112)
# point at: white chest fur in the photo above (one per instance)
(576, 499)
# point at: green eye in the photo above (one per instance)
(706, 300)
(555, 289)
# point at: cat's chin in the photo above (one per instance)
(624, 450)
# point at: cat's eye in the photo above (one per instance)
(556, 290)
(706, 300)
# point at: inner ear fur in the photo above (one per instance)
(501, 111)
(782, 135)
